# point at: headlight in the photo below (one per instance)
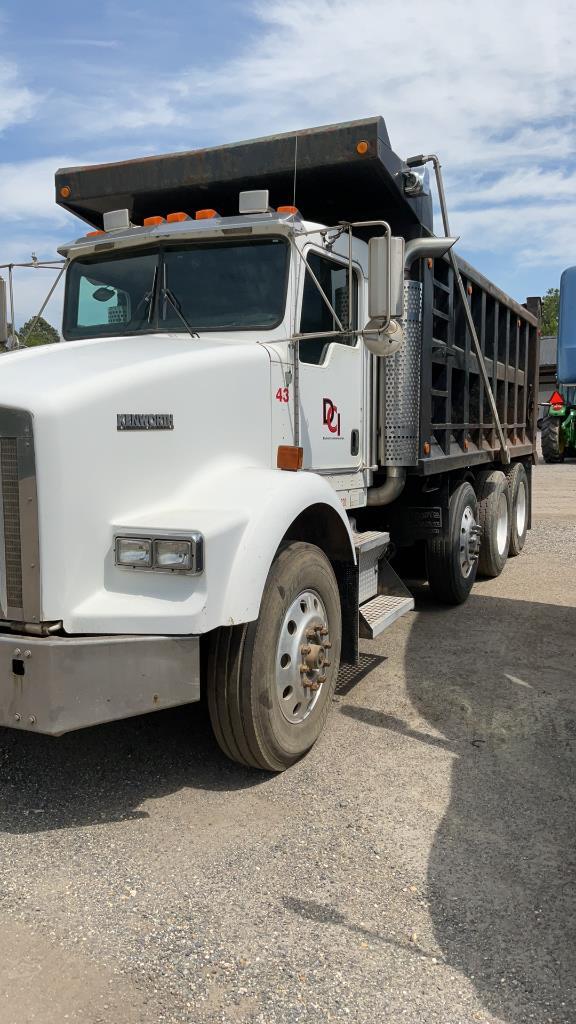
(173, 554)
(135, 552)
(164, 554)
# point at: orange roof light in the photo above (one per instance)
(293, 210)
(206, 214)
(89, 234)
(362, 147)
(151, 222)
(175, 218)
(65, 191)
(289, 457)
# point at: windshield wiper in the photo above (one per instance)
(166, 293)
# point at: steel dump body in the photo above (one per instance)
(331, 178)
(333, 181)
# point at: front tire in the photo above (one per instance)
(270, 682)
(452, 560)
(553, 444)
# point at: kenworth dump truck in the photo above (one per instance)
(275, 381)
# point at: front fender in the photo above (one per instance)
(243, 514)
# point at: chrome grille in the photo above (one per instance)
(11, 510)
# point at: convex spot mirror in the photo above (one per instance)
(385, 277)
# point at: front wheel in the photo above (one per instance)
(270, 682)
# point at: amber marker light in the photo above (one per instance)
(206, 214)
(289, 457)
(287, 209)
(152, 222)
(426, 448)
(175, 218)
(362, 148)
(90, 234)
(65, 191)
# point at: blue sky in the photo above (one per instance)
(489, 86)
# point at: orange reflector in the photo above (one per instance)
(469, 289)
(465, 444)
(65, 191)
(174, 218)
(89, 234)
(362, 148)
(287, 209)
(426, 448)
(151, 222)
(289, 457)
(206, 214)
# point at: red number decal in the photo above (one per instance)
(282, 395)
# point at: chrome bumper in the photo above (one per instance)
(56, 684)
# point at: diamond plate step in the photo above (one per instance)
(379, 613)
(370, 547)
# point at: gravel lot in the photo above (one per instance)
(418, 866)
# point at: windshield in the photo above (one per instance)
(229, 286)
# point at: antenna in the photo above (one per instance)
(295, 169)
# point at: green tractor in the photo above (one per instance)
(559, 427)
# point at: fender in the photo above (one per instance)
(243, 514)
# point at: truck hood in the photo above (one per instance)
(41, 379)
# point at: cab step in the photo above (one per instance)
(380, 612)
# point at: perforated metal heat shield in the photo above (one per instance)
(399, 388)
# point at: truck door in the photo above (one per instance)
(331, 383)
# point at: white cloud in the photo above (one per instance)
(17, 102)
(27, 190)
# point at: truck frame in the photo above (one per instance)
(279, 395)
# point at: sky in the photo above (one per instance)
(489, 86)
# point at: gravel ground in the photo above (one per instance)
(419, 865)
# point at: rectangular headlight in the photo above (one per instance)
(173, 554)
(134, 551)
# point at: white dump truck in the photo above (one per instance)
(275, 380)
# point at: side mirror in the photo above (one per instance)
(4, 336)
(385, 277)
(567, 328)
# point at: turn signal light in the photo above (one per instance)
(290, 457)
(151, 222)
(206, 214)
(175, 218)
(287, 209)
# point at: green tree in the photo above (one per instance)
(550, 307)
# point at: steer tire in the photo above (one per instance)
(494, 519)
(450, 582)
(553, 444)
(262, 714)
(517, 481)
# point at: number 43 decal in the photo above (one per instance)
(282, 395)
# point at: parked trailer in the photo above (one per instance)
(276, 381)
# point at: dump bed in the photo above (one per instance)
(321, 168)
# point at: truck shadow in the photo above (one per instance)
(105, 773)
(502, 869)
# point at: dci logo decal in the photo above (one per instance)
(331, 417)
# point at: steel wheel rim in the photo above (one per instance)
(469, 544)
(302, 656)
(521, 506)
(502, 524)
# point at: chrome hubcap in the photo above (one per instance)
(469, 542)
(302, 656)
(502, 526)
(521, 509)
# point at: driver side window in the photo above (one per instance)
(316, 317)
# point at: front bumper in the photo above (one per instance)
(55, 684)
